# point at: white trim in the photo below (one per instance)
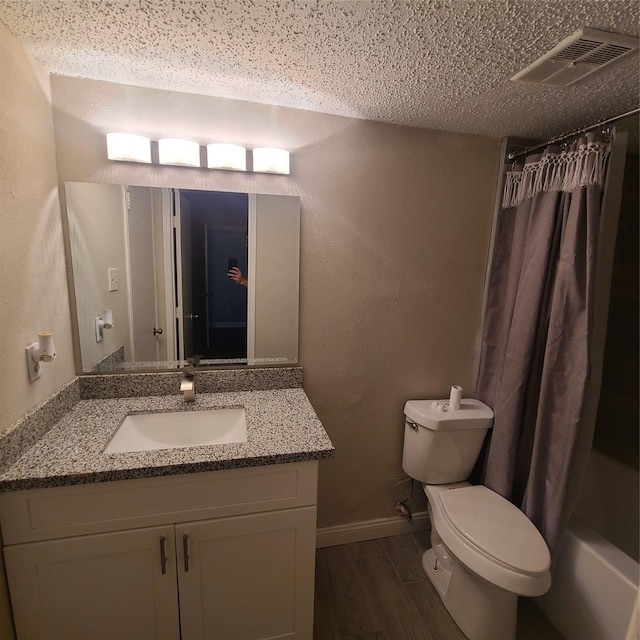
(370, 530)
(251, 277)
(169, 323)
(178, 283)
(206, 282)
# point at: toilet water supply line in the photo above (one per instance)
(455, 397)
(402, 506)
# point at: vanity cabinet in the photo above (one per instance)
(245, 574)
(102, 586)
(225, 555)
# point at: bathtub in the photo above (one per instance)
(594, 594)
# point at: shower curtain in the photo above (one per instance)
(534, 363)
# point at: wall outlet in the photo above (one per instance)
(34, 367)
(113, 280)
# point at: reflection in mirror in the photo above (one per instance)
(205, 277)
(213, 250)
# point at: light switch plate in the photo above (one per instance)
(113, 280)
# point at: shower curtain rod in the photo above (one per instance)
(602, 123)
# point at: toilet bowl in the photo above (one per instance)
(491, 537)
(484, 551)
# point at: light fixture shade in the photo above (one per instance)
(226, 156)
(268, 160)
(181, 152)
(128, 147)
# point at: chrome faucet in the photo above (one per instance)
(188, 384)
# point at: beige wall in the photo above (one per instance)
(395, 231)
(33, 286)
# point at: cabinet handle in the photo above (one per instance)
(185, 551)
(163, 555)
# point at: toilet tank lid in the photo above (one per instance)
(435, 414)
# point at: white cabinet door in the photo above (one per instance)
(99, 587)
(249, 577)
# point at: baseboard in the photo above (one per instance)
(370, 529)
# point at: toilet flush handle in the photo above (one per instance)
(411, 424)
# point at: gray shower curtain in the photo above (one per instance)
(534, 363)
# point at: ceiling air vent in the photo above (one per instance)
(579, 55)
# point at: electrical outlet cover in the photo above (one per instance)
(113, 280)
(34, 368)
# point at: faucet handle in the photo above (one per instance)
(194, 360)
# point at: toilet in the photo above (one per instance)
(484, 551)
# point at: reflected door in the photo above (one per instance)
(142, 273)
(213, 238)
(183, 277)
(188, 312)
(226, 299)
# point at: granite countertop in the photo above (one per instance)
(281, 427)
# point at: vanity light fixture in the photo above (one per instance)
(42, 351)
(105, 321)
(226, 156)
(185, 153)
(267, 160)
(128, 147)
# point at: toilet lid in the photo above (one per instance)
(496, 528)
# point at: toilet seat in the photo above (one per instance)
(491, 537)
(496, 528)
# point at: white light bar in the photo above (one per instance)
(267, 160)
(226, 156)
(185, 153)
(128, 147)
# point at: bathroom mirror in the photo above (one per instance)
(157, 261)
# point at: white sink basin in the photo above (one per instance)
(152, 431)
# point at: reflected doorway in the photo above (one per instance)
(213, 238)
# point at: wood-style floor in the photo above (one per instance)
(376, 590)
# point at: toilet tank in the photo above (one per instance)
(441, 445)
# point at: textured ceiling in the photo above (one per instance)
(440, 64)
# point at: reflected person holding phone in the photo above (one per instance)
(235, 274)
